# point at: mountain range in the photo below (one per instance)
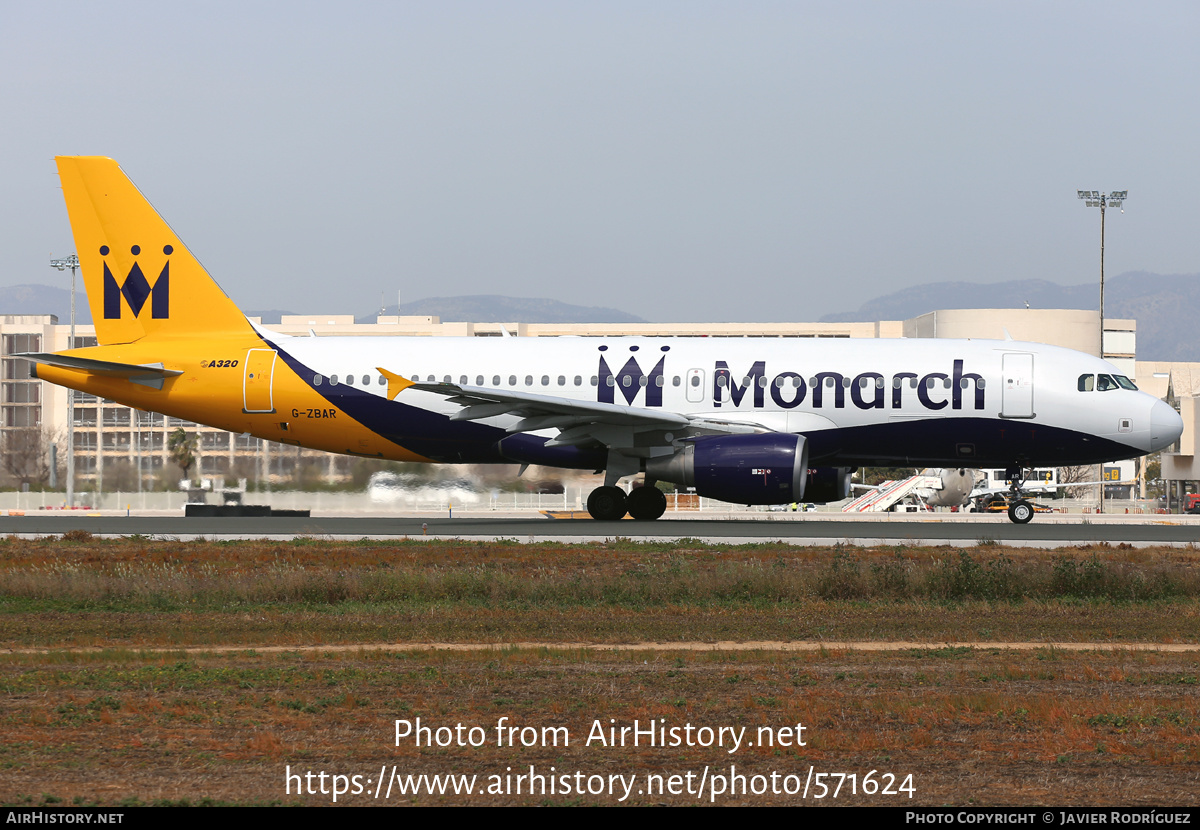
(1166, 306)
(47, 299)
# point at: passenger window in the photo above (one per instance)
(512, 380)
(446, 379)
(431, 378)
(612, 381)
(529, 380)
(462, 380)
(695, 380)
(643, 380)
(382, 380)
(545, 380)
(495, 380)
(479, 380)
(578, 380)
(562, 381)
(593, 380)
(675, 380)
(349, 380)
(659, 381)
(1087, 383)
(316, 380)
(333, 380)
(366, 380)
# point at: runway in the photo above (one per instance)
(808, 529)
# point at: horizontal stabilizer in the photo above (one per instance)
(146, 374)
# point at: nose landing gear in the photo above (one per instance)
(1020, 511)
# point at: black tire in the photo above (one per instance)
(646, 503)
(607, 504)
(1020, 512)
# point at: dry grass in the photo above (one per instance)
(144, 592)
(972, 725)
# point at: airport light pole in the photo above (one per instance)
(71, 262)
(1094, 198)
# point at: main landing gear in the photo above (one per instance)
(644, 503)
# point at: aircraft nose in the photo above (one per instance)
(1165, 426)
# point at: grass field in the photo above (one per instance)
(90, 716)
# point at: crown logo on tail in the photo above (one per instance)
(136, 289)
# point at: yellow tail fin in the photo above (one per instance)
(141, 280)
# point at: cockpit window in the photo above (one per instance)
(1105, 383)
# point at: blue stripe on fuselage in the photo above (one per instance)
(417, 430)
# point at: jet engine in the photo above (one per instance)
(826, 484)
(744, 469)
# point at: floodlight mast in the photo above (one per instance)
(1094, 198)
(71, 262)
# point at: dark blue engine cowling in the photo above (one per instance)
(744, 469)
(532, 449)
(826, 484)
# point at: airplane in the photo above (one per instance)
(743, 420)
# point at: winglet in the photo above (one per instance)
(396, 384)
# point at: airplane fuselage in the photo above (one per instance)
(858, 402)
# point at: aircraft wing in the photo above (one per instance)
(578, 422)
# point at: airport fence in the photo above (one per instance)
(434, 502)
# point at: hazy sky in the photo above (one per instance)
(681, 161)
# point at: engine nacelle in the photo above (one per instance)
(744, 469)
(826, 484)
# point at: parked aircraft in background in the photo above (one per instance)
(752, 421)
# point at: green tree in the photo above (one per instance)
(182, 449)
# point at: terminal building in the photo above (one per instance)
(119, 448)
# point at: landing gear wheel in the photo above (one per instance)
(1020, 512)
(646, 503)
(607, 504)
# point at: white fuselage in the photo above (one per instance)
(830, 390)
